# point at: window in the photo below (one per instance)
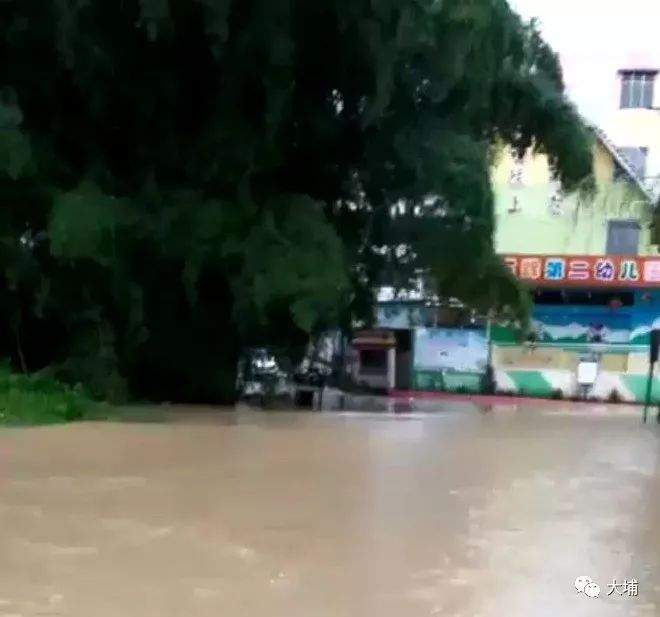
(637, 158)
(637, 89)
(622, 237)
(373, 362)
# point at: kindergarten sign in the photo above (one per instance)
(585, 270)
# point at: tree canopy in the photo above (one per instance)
(182, 177)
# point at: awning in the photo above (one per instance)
(374, 339)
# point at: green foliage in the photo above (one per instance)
(41, 400)
(182, 177)
(15, 151)
(84, 224)
(292, 258)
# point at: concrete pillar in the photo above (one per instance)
(391, 368)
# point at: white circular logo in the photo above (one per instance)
(581, 582)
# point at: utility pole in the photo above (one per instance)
(653, 358)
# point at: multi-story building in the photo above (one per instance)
(591, 263)
(592, 266)
(634, 124)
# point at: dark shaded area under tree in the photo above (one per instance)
(182, 178)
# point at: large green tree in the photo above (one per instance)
(182, 177)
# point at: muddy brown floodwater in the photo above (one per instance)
(457, 513)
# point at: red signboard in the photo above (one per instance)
(585, 271)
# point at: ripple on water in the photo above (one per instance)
(57, 550)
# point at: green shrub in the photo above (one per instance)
(614, 397)
(557, 394)
(36, 399)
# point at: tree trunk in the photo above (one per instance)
(19, 349)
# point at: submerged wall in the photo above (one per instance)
(548, 383)
(619, 339)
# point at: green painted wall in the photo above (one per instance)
(637, 385)
(531, 383)
(546, 383)
(438, 381)
(580, 228)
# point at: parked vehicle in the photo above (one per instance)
(262, 377)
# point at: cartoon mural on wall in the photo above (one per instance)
(445, 349)
(582, 325)
(592, 328)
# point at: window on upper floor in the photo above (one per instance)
(637, 89)
(637, 158)
(623, 237)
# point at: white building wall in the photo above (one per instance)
(638, 128)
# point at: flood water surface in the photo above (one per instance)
(457, 513)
